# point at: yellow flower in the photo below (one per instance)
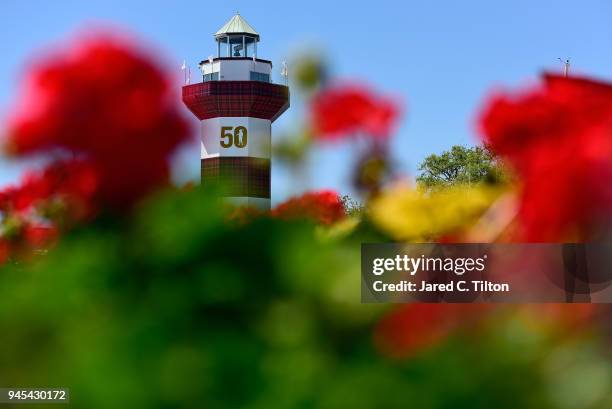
(415, 215)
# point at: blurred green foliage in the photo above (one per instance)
(180, 308)
(309, 71)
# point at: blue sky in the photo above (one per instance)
(440, 57)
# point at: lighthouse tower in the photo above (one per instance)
(236, 103)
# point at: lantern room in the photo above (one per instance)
(236, 58)
(237, 39)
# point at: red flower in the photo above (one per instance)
(38, 236)
(413, 328)
(558, 137)
(5, 251)
(352, 109)
(25, 239)
(323, 207)
(61, 193)
(112, 105)
(74, 182)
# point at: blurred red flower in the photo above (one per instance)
(111, 104)
(73, 182)
(25, 238)
(412, 328)
(342, 110)
(323, 207)
(39, 236)
(5, 250)
(558, 137)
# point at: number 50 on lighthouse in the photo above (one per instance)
(234, 136)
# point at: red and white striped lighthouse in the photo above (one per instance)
(236, 103)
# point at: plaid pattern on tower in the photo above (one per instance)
(238, 175)
(213, 99)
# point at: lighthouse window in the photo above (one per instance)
(222, 47)
(250, 46)
(211, 77)
(237, 46)
(260, 76)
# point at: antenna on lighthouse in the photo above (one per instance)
(184, 69)
(566, 66)
(285, 72)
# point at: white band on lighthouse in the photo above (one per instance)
(255, 202)
(236, 136)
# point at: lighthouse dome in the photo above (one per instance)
(236, 25)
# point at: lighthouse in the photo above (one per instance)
(236, 103)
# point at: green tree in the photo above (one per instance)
(460, 165)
